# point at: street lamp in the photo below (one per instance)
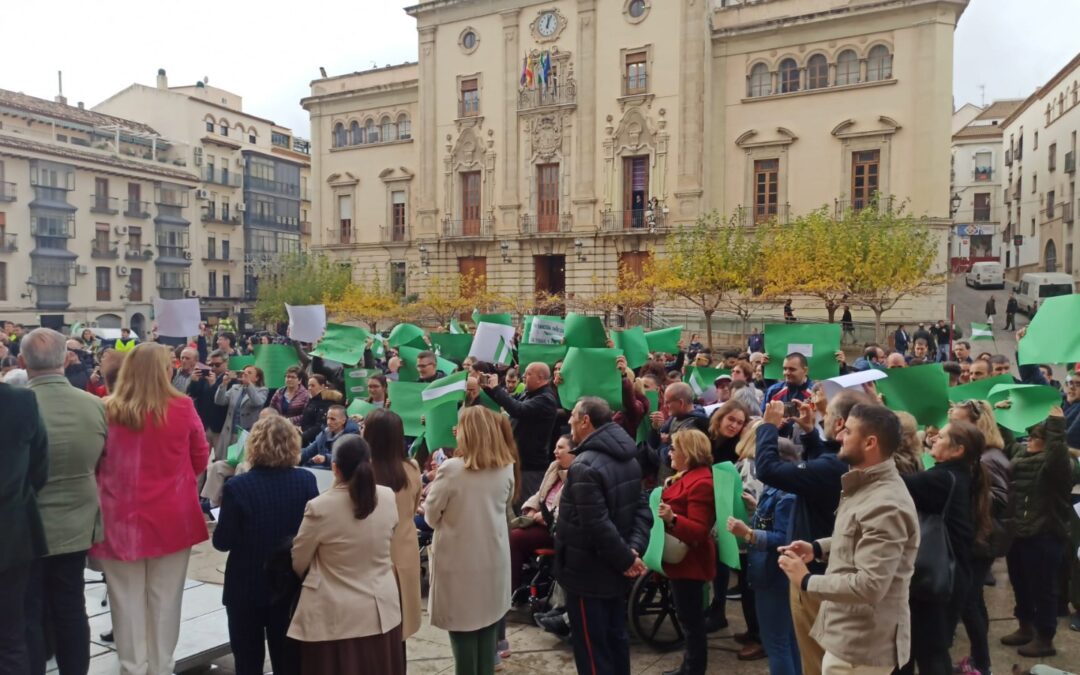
(955, 202)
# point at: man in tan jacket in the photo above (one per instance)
(864, 622)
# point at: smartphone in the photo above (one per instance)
(791, 409)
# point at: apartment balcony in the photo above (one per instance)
(550, 224)
(981, 214)
(57, 273)
(226, 178)
(173, 254)
(1070, 162)
(842, 206)
(636, 221)
(983, 174)
(104, 253)
(8, 243)
(109, 206)
(394, 234)
(60, 227)
(305, 227)
(473, 228)
(1008, 157)
(219, 260)
(219, 218)
(138, 254)
(748, 216)
(7, 191)
(136, 209)
(177, 198)
(274, 186)
(531, 99)
(468, 107)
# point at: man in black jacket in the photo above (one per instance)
(202, 388)
(604, 522)
(532, 415)
(815, 482)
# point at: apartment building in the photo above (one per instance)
(95, 215)
(253, 201)
(1039, 140)
(543, 144)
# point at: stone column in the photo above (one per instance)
(427, 192)
(691, 104)
(584, 199)
(509, 200)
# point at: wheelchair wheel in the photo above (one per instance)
(652, 613)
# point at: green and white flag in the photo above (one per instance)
(503, 353)
(448, 389)
(488, 339)
(543, 330)
(455, 327)
(981, 331)
(697, 383)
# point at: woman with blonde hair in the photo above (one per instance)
(150, 507)
(260, 510)
(467, 506)
(908, 455)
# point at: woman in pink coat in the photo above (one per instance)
(150, 507)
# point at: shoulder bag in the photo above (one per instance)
(935, 563)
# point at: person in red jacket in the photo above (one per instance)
(688, 510)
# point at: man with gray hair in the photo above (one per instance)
(76, 428)
(189, 358)
(75, 369)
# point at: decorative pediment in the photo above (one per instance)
(634, 131)
(750, 138)
(848, 128)
(341, 180)
(390, 174)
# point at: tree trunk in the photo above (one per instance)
(831, 308)
(708, 327)
(879, 336)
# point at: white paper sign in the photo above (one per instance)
(546, 332)
(177, 318)
(834, 385)
(486, 340)
(805, 350)
(307, 323)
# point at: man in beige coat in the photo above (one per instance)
(864, 622)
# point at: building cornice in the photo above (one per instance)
(10, 145)
(761, 16)
(405, 85)
(1057, 79)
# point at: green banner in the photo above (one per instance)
(654, 552)
(1029, 404)
(452, 346)
(922, 391)
(634, 345)
(665, 340)
(489, 402)
(341, 343)
(439, 422)
(238, 363)
(591, 372)
(645, 428)
(586, 332)
(817, 342)
(236, 452)
(407, 334)
(360, 408)
(406, 399)
(501, 318)
(1053, 336)
(274, 361)
(548, 354)
(727, 492)
(356, 382)
(979, 391)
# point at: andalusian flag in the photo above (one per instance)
(503, 353)
(697, 382)
(455, 327)
(450, 388)
(440, 406)
(981, 331)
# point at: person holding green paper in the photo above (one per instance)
(244, 397)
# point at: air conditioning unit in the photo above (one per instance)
(121, 230)
(191, 293)
(121, 270)
(187, 255)
(241, 207)
(82, 269)
(202, 194)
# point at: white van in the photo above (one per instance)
(1036, 287)
(986, 274)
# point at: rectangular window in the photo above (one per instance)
(210, 126)
(1050, 204)
(766, 191)
(211, 247)
(226, 286)
(3, 281)
(134, 238)
(470, 97)
(636, 74)
(1035, 141)
(224, 129)
(211, 284)
(635, 191)
(397, 206)
(101, 238)
(984, 166)
(225, 249)
(865, 168)
(397, 278)
(982, 206)
(470, 203)
(1051, 157)
(101, 194)
(225, 209)
(135, 283)
(345, 212)
(547, 197)
(103, 276)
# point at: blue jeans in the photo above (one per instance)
(777, 630)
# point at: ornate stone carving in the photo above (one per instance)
(546, 136)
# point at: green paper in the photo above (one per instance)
(585, 332)
(1053, 336)
(406, 399)
(1031, 404)
(274, 361)
(701, 378)
(664, 340)
(452, 346)
(548, 354)
(488, 402)
(360, 407)
(634, 345)
(727, 493)
(417, 443)
(238, 363)
(654, 552)
(408, 372)
(439, 422)
(502, 318)
(356, 382)
(645, 428)
(543, 330)
(591, 372)
(236, 452)
(821, 340)
(928, 461)
(407, 334)
(341, 343)
(922, 391)
(979, 391)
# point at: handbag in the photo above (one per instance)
(935, 562)
(675, 549)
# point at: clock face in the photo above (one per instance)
(547, 24)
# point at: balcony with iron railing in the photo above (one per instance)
(747, 216)
(175, 254)
(221, 177)
(8, 243)
(211, 215)
(468, 107)
(138, 253)
(109, 206)
(542, 97)
(983, 174)
(305, 227)
(842, 206)
(134, 208)
(394, 234)
(60, 227)
(273, 186)
(635, 221)
(469, 228)
(541, 225)
(103, 252)
(7, 191)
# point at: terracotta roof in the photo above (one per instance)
(62, 111)
(999, 110)
(980, 131)
(155, 168)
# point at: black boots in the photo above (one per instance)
(1023, 635)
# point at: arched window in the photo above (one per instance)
(879, 64)
(372, 132)
(356, 133)
(1049, 112)
(847, 68)
(339, 135)
(1061, 104)
(1075, 94)
(1050, 256)
(389, 130)
(817, 72)
(789, 76)
(760, 80)
(404, 128)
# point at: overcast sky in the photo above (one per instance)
(270, 56)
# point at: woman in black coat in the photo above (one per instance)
(322, 397)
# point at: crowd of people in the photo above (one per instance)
(124, 457)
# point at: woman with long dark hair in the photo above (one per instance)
(348, 619)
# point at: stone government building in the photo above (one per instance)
(542, 144)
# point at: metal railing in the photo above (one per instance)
(983, 173)
(537, 97)
(8, 243)
(138, 253)
(639, 220)
(981, 214)
(53, 226)
(136, 209)
(534, 225)
(104, 253)
(7, 191)
(173, 251)
(104, 204)
(1067, 213)
(747, 216)
(473, 227)
(395, 234)
(469, 107)
(884, 205)
(221, 177)
(275, 186)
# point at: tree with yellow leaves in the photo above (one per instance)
(445, 298)
(368, 302)
(809, 256)
(299, 279)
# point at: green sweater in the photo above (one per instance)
(1041, 483)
